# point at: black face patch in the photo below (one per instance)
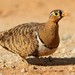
(60, 11)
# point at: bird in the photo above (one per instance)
(33, 38)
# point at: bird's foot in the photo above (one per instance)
(39, 61)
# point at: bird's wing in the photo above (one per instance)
(20, 39)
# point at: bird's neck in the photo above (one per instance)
(49, 33)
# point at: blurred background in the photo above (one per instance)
(14, 12)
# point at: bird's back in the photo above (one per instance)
(20, 39)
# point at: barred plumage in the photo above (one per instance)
(20, 39)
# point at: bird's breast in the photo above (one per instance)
(42, 49)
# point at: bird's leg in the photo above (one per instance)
(39, 61)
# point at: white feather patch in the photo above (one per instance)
(41, 45)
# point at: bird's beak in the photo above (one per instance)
(65, 14)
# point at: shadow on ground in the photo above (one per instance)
(51, 61)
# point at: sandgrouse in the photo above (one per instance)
(36, 39)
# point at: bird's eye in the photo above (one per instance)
(56, 14)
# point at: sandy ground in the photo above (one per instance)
(62, 62)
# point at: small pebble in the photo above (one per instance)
(22, 70)
(63, 50)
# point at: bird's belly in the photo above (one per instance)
(44, 51)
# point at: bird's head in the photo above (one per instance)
(56, 15)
